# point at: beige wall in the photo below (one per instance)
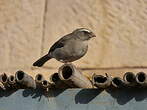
(29, 27)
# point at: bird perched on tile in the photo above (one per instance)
(69, 48)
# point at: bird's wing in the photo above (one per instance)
(60, 43)
(55, 46)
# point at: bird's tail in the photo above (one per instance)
(42, 60)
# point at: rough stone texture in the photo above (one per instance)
(63, 17)
(29, 28)
(20, 32)
(120, 26)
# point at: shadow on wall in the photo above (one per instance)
(85, 96)
(125, 95)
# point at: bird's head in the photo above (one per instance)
(83, 34)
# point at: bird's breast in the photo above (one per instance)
(78, 50)
(71, 51)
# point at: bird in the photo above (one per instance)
(69, 48)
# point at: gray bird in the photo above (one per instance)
(69, 48)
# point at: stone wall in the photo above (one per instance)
(29, 27)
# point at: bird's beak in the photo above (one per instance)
(93, 35)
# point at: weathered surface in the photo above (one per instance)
(29, 28)
(63, 17)
(20, 32)
(120, 26)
